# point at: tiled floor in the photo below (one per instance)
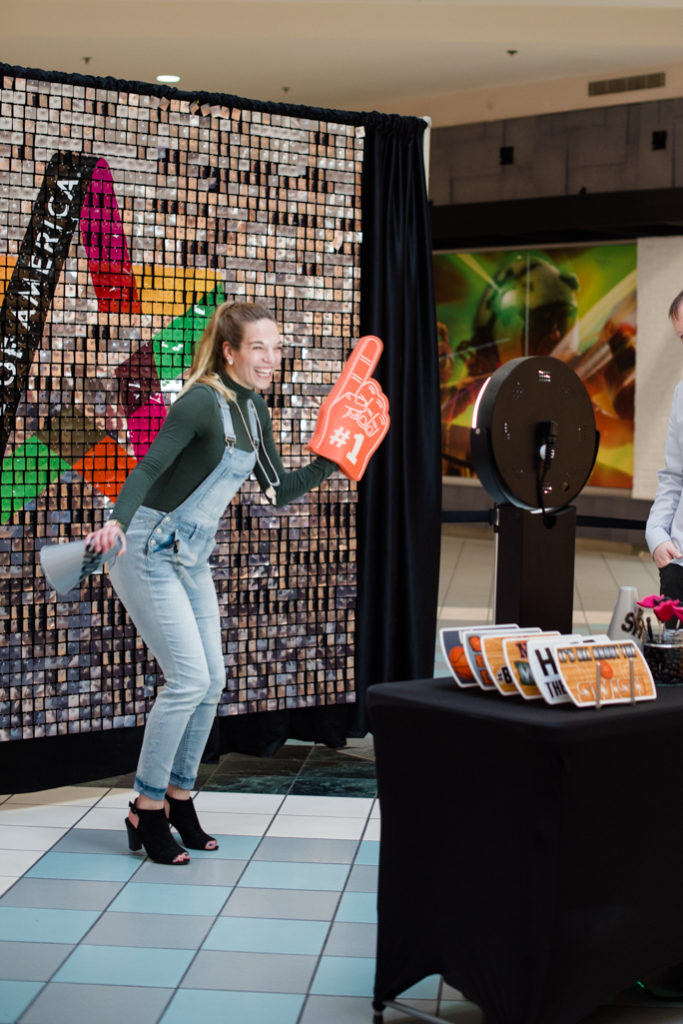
(278, 926)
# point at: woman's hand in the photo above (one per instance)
(665, 553)
(104, 539)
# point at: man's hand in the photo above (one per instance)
(665, 553)
(354, 417)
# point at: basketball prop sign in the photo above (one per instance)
(354, 417)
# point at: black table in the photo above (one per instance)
(532, 855)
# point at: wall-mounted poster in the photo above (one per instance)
(577, 303)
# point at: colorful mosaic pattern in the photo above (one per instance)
(124, 220)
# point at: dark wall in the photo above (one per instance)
(605, 149)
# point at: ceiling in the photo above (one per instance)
(441, 58)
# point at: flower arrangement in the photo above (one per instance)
(664, 609)
(663, 650)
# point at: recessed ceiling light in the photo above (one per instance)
(168, 78)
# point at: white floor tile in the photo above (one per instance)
(235, 824)
(244, 803)
(103, 817)
(343, 807)
(372, 829)
(78, 796)
(16, 862)
(29, 837)
(308, 826)
(454, 614)
(52, 815)
(118, 798)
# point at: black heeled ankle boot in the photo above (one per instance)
(153, 832)
(183, 816)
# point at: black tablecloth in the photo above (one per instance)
(532, 855)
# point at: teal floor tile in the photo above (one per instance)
(292, 875)
(90, 866)
(245, 1007)
(38, 924)
(358, 906)
(344, 976)
(368, 852)
(267, 935)
(157, 898)
(205, 870)
(15, 996)
(125, 965)
(229, 848)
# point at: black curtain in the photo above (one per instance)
(399, 514)
(399, 500)
(399, 497)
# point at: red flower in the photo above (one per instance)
(651, 601)
(665, 610)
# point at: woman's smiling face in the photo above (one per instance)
(254, 363)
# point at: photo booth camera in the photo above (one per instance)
(534, 444)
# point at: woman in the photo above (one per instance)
(165, 520)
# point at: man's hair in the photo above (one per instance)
(673, 308)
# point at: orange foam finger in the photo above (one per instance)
(356, 422)
(357, 370)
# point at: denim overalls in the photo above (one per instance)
(165, 583)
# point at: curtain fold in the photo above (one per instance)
(399, 514)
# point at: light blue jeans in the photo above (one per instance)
(165, 583)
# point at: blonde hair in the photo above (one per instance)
(226, 324)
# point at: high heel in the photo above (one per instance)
(152, 831)
(183, 816)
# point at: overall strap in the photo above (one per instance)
(226, 415)
(254, 422)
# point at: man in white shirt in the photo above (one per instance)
(664, 528)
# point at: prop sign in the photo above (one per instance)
(354, 417)
(605, 673)
(588, 670)
(465, 641)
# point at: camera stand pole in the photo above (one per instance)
(534, 567)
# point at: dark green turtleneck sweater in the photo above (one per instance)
(190, 445)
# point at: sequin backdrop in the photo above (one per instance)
(124, 220)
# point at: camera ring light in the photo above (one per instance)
(534, 440)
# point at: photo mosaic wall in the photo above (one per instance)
(125, 219)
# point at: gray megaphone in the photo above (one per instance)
(66, 565)
(627, 617)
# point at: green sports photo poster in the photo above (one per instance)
(577, 303)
